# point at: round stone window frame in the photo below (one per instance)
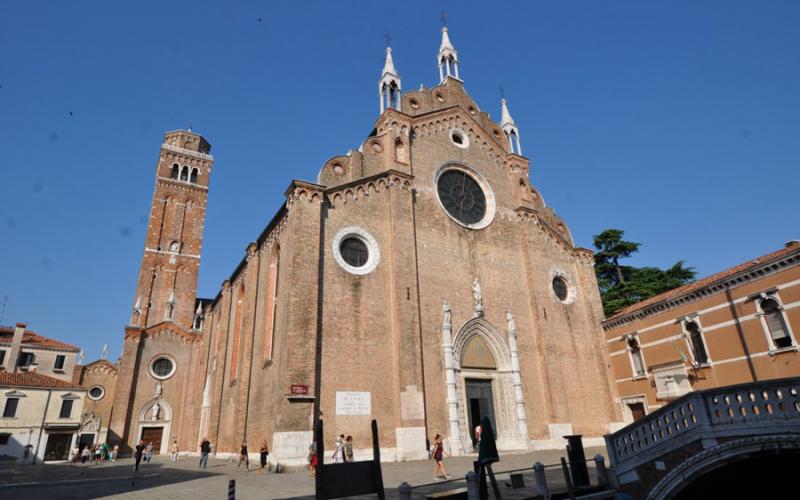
(491, 206)
(162, 377)
(462, 135)
(568, 281)
(374, 253)
(102, 392)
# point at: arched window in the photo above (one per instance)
(776, 324)
(696, 340)
(193, 178)
(400, 151)
(185, 173)
(637, 360)
(272, 302)
(238, 318)
(175, 169)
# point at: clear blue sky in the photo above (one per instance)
(678, 122)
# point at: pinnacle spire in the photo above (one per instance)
(447, 58)
(389, 86)
(505, 118)
(510, 128)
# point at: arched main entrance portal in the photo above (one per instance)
(483, 381)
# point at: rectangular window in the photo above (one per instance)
(2, 357)
(66, 408)
(59, 362)
(4, 439)
(10, 410)
(25, 359)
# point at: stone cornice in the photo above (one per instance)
(532, 215)
(372, 184)
(183, 185)
(718, 286)
(187, 152)
(165, 328)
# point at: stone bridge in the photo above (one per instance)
(740, 441)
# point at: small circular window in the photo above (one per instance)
(356, 251)
(459, 138)
(560, 288)
(96, 392)
(162, 368)
(414, 104)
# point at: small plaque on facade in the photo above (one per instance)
(299, 390)
(353, 403)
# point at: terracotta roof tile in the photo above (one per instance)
(696, 285)
(33, 339)
(33, 379)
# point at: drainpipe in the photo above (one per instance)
(41, 426)
(741, 334)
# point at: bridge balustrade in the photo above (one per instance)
(754, 408)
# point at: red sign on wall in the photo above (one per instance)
(299, 390)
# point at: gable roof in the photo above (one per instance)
(33, 379)
(33, 339)
(704, 282)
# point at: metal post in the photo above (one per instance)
(472, 486)
(602, 473)
(232, 489)
(577, 460)
(567, 479)
(405, 491)
(541, 480)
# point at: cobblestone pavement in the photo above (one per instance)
(163, 479)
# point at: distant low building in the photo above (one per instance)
(41, 413)
(737, 326)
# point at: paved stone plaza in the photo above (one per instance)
(182, 480)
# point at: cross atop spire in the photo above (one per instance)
(443, 19)
(388, 37)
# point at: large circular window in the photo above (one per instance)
(96, 392)
(563, 286)
(465, 197)
(162, 367)
(356, 251)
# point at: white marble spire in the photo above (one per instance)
(510, 128)
(389, 86)
(448, 58)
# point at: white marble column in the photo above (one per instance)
(450, 381)
(522, 421)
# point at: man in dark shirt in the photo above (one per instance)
(138, 454)
(205, 449)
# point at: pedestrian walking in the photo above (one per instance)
(312, 459)
(438, 455)
(243, 457)
(137, 454)
(97, 454)
(85, 454)
(104, 452)
(264, 454)
(114, 453)
(148, 454)
(174, 452)
(205, 449)
(338, 451)
(477, 436)
(348, 449)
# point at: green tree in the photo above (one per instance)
(621, 285)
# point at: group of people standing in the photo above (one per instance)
(96, 453)
(342, 453)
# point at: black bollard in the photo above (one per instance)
(577, 461)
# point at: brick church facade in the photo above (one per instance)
(420, 281)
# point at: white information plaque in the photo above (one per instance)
(353, 403)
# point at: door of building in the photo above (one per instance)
(57, 447)
(637, 410)
(480, 403)
(153, 435)
(85, 440)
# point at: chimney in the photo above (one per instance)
(16, 345)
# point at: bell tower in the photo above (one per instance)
(167, 284)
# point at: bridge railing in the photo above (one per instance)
(752, 405)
